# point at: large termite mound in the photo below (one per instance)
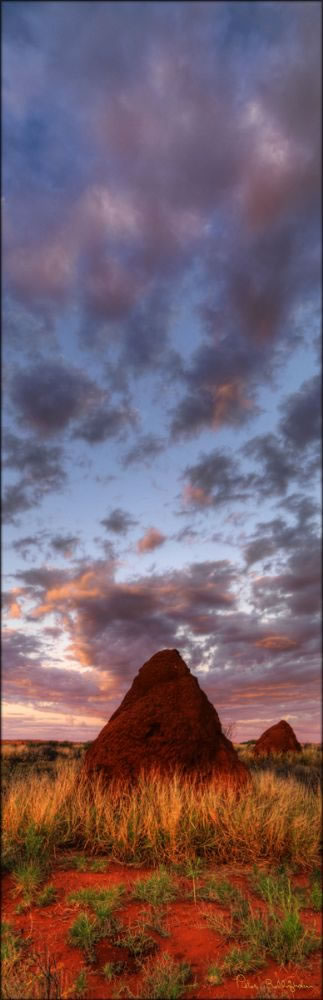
(165, 723)
(278, 739)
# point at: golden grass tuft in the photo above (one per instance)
(165, 818)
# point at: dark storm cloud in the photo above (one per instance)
(119, 521)
(147, 447)
(51, 394)
(301, 421)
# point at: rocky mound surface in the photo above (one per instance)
(166, 722)
(278, 739)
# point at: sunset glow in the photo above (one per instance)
(161, 348)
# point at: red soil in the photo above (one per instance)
(190, 939)
(165, 721)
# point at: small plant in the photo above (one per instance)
(272, 888)
(78, 861)
(22, 907)
(214, 975)
(192, 870)
(166, 978)
(240, 909)
(10, 943)
(252, 929)
(220, 891)
(47, 896)
(158, 888)
(98, 865)
(240, 961)
(102, 901)
(112, 969)
(138, 942)
(287, 940)
(220, 926)
(108, 971)
(27, 877)
(80, 985)
(34, 845)
(316, 894)
(154, 919)
(84, 934)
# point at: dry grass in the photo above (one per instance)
(164, 819)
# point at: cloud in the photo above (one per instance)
(119, 521)
(278, 465)
(42, 471)
(151, 540)
(27, 542)
(104, 422)
(296, 589)
(15, 501)
(113, 626)
(64, 544)
(277, 643)
(50, 394)
(146, 448)
(301, 421)
(137, 616)
(210, 165)
(26, 679)
(10, 602)
(41, 464)
(215, 479)
(162, 183)
(277, 536)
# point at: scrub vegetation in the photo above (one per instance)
(246, 866)
(159, 820)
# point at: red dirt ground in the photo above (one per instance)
(190, 939)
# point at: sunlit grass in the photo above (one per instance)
(161, 819)
(166, 978)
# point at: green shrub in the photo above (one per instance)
(157, 889)
(166, 978)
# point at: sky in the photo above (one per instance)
(161, 358)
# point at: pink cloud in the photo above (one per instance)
(151, 540)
